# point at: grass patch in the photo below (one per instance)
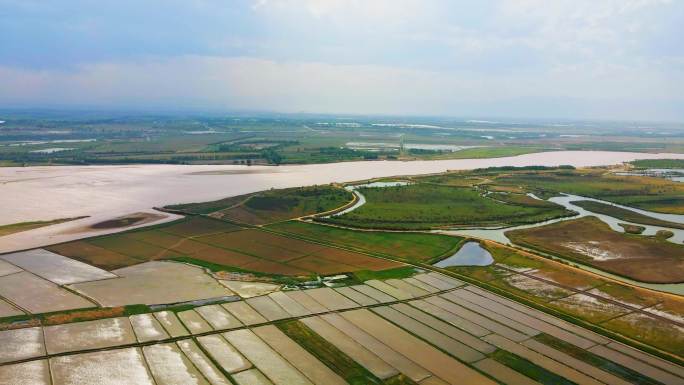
(625, 215)
(590, 241)
(595, 360)
(632, 229)
(424, 206)
(328, 354)
(25, 226)
(217, 267)
(658, 163)
(411, 247)
(649, 193)
(272, 205)
(399, 380)
(650, 330)
(397, 273)
(529, 369)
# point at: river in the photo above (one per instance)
(104, 192)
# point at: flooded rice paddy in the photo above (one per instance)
(436, 336)
(106, 192)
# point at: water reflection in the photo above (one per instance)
(471, 254)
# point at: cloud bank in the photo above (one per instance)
(527, 58)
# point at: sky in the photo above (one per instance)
(575, 59)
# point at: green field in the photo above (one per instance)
(625, 215)
(590, 241)
(272, 205)
(424, 206)
(658, 163)
(413, 247)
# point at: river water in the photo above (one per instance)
(103, 192)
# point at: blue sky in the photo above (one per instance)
(613, 59)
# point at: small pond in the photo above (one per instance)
(471, 254)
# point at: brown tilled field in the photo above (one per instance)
(219, 243)
(589, 240)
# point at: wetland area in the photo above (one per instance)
(387, 280)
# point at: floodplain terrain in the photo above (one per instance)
(264, 293)
(588, 240)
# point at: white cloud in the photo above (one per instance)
(246, 83)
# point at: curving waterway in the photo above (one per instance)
(498, 234)
(105, 192)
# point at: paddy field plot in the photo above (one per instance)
(356, 296)
(642, 367)
(223, 353)
(273, 365)
(27, 373)
(245, 313)
(147, 328)
(389, 289)
(268, 308)
(541, 360)
(56, 268)
(7, 310)
(170, 322)
(86, 335)
(37, 295)
(396, 360)
(251, 377)
(113, 367)
(218, 317)
(406, 246)
(148, 283)
(220, 244)
(170, 366)
(423, 354)
(373, 293)
(202, 362)
(194, 322)
(302, 298)
(461, 334)
(331, 299)
(301, 359)
(291, 306)
(7, 268)
(352, 349)
(443, 327)
(453, 347)
(19, 344)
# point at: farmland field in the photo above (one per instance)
(588, 240)
(215, 243)
(423, 206)
(405, 246)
